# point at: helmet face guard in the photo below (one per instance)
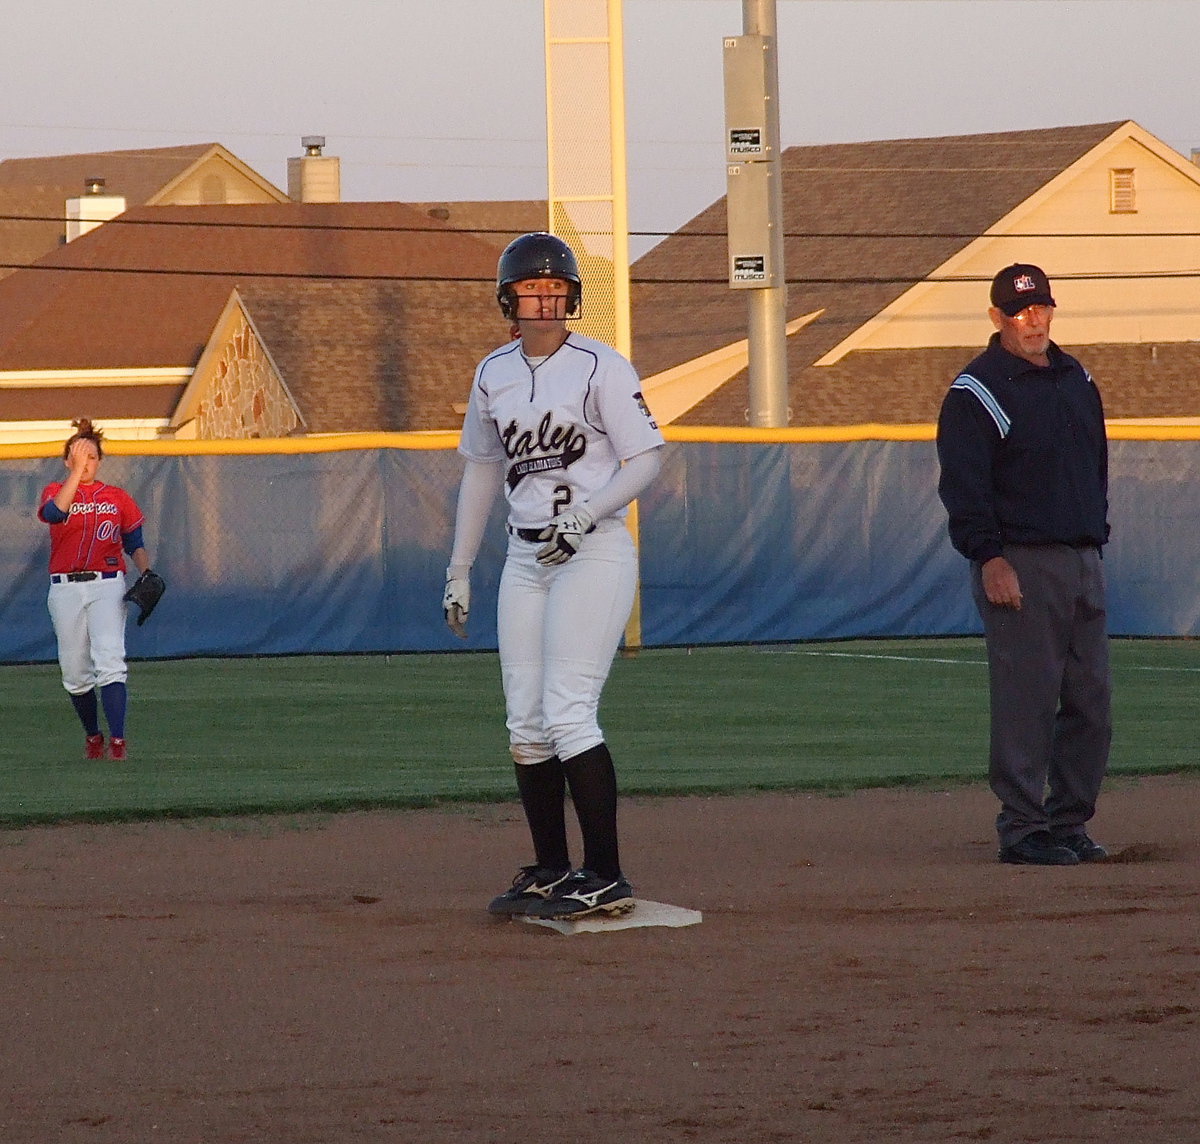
(537, 255)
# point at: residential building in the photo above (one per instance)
(890, 249)
(234, 320)
(248, 321)
(35, 193)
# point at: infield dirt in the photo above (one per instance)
(865, 971)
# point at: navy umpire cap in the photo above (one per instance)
(1021, 285)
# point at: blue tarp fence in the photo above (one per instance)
(344, 549)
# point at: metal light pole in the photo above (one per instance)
(754, 181)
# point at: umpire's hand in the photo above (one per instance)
(1000, 584)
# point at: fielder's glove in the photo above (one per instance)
(456, 604)
(569, 530)
(147, 590)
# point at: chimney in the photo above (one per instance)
(92, 208)
(313, 177)
(1196, 156)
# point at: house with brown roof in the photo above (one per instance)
(890, 247)
(249, 321)
(261, 320)
(187, 339)
(35, 194)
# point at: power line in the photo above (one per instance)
(191, 272)
(901, 280)
(376, 228)
(369, 228)
(844, 280)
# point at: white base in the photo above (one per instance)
(643, 914)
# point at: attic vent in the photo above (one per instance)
(213, 190)
(1121, 198)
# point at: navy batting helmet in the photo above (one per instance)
(537, 255)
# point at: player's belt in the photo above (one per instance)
(76, 577)
(533, 535)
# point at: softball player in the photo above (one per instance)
(90, 524)
(558, 421)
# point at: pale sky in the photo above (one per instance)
(444, 99)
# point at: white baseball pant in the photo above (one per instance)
(558, 630)
(89, 624)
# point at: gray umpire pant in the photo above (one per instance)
(1051, 690)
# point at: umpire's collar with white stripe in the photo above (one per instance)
(996, 364)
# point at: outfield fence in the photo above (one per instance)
(339, 544)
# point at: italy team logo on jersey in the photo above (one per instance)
(548, 448)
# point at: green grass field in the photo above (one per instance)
(249, 736)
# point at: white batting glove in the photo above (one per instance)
(569, 529)
(456, 604)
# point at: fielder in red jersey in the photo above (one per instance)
(93, 527)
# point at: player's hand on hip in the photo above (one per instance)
(569, 531)
(456, 604)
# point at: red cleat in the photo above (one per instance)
(93, 747)
(116, 748)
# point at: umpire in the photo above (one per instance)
(1024, 478)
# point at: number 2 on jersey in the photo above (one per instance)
(562, 499)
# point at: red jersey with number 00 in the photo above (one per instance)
(89, 540)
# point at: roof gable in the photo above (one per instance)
(216, 177)
(236, 389)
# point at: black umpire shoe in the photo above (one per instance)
(1082, 846)
(1040, 848)
(532, 884)
(584, 894)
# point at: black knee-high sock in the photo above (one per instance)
(88, 710)
(593, 782)
(542, 787)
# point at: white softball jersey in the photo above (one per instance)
(562, 425)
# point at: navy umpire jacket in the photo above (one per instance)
(1023, 454)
